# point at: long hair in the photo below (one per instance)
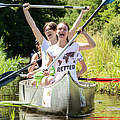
(68, 29)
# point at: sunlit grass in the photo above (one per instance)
(103, 61)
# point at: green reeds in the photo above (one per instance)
(102, 61)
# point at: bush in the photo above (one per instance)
(111, 31)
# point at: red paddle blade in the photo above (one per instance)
(104, 79)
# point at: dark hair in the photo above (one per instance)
(36, 42)
(52, 25)
(67, 26)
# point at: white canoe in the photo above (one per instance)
(65, 97)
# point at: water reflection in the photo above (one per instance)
(106, 107)
(32, 116)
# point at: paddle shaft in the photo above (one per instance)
(10, 5)
(92, 15)
(53, 6)
(15, 72)
(43, 6)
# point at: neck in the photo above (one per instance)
(53, 41)
(62, 43)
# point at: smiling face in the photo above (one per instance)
(50, 33)
(50, 30)
(62, 31)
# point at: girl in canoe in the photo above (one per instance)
(37, 55)
(67, 61)
(49, 30)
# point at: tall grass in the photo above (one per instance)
(9, 91)
(102, 61)
(8, 64)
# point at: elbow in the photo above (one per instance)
(85, 68)
(93, 45)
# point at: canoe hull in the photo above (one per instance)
(65, 97)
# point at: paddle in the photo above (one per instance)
(7, 77)
(43, 6)
(104, 2)
(101, 79)
(10, 78)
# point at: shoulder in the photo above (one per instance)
(45, 45)
(34, 57)
(80, 44)
(75, 45)
(52, 50)
(45, 41)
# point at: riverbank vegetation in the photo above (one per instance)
(102, 61)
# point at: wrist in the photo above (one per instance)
(84, 33)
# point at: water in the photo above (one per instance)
(106, 107)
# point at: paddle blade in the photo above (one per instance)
(7, 80)
(107, 1)
(101, 79)
(105, 80)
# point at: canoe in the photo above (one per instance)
(65, 97)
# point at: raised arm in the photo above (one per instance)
(76, 24)
(32, 24)
(89, 45)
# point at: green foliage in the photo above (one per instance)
(16, 33)
(103, 61)
(71, 15)
(111, 31)
(103, 16)
(13, 115)
(9, 64)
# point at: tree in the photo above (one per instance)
(103, 16)
(15, 31)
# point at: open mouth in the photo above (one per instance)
(49, 35)
(61, 35)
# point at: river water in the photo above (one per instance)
(106, 107)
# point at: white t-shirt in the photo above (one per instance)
(45, 45)
(67, 61)
(79, 56)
